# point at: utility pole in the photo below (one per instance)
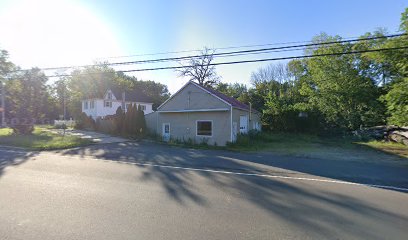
(3, 104)
(63, 103)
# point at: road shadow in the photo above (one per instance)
(324, 214)
(10, 157)
(375, 173)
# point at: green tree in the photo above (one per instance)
(156, 91)
(5, 68)
(235, 90)
(335, 87)
(397, 103)
(87, 83)
(127, 125)
(28, 99)
(395, 69)
(140, 122)
(119, 120)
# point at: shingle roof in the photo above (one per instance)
(132, 96)
(234, 102)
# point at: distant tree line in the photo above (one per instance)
(333, 93)
(32, 98)
(319, 94)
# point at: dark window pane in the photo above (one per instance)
(204, 128)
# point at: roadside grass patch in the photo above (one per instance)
(276, 142)
(323, 147)
(389, 147)
(41, 139)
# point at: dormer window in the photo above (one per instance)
(108, 104)
(109, 95)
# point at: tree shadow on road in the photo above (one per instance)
(10, 157)
(313, 210)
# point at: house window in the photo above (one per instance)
(86, 105)
(108, 104)
(109, 95)
(92, 104)
(143, 107)
(204, 128)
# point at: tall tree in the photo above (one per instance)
(156, 91)
(199, 69)
(235, 90)
(397, 103)
(396, 99)
(28, 98)
(5, 68)
(336, 88)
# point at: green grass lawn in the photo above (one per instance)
(331, 148)
(389, 147)
(41, 139)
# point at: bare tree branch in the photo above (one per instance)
(199, 69)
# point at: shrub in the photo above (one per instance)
(22, 129)
(60, 126)
(85, 122)
(119, 119)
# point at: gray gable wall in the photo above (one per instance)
(199, 99)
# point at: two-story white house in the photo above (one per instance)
(101, 106)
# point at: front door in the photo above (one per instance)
(243, 124)
(166, 132)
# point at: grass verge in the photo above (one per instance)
(331, 148)
(398, 149)
(41, 139)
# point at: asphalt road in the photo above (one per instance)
(149, 191)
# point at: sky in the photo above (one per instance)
(54, 33)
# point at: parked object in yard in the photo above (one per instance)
(390, 133)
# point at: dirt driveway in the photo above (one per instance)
(95, 137)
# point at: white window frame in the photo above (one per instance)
(143, 107)
(164, 127)
(92, 104)
(85, 104)
(109, 96)
(110, 104)
(212, 127)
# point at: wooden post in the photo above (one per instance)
(3, 104)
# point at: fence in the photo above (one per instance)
(68, 123)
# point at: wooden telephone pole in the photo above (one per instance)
(3, 104)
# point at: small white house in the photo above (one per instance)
(101, 106)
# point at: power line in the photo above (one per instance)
(219, 48)
(250, 61)
(228, 54)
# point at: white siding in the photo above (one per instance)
(100, 110)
